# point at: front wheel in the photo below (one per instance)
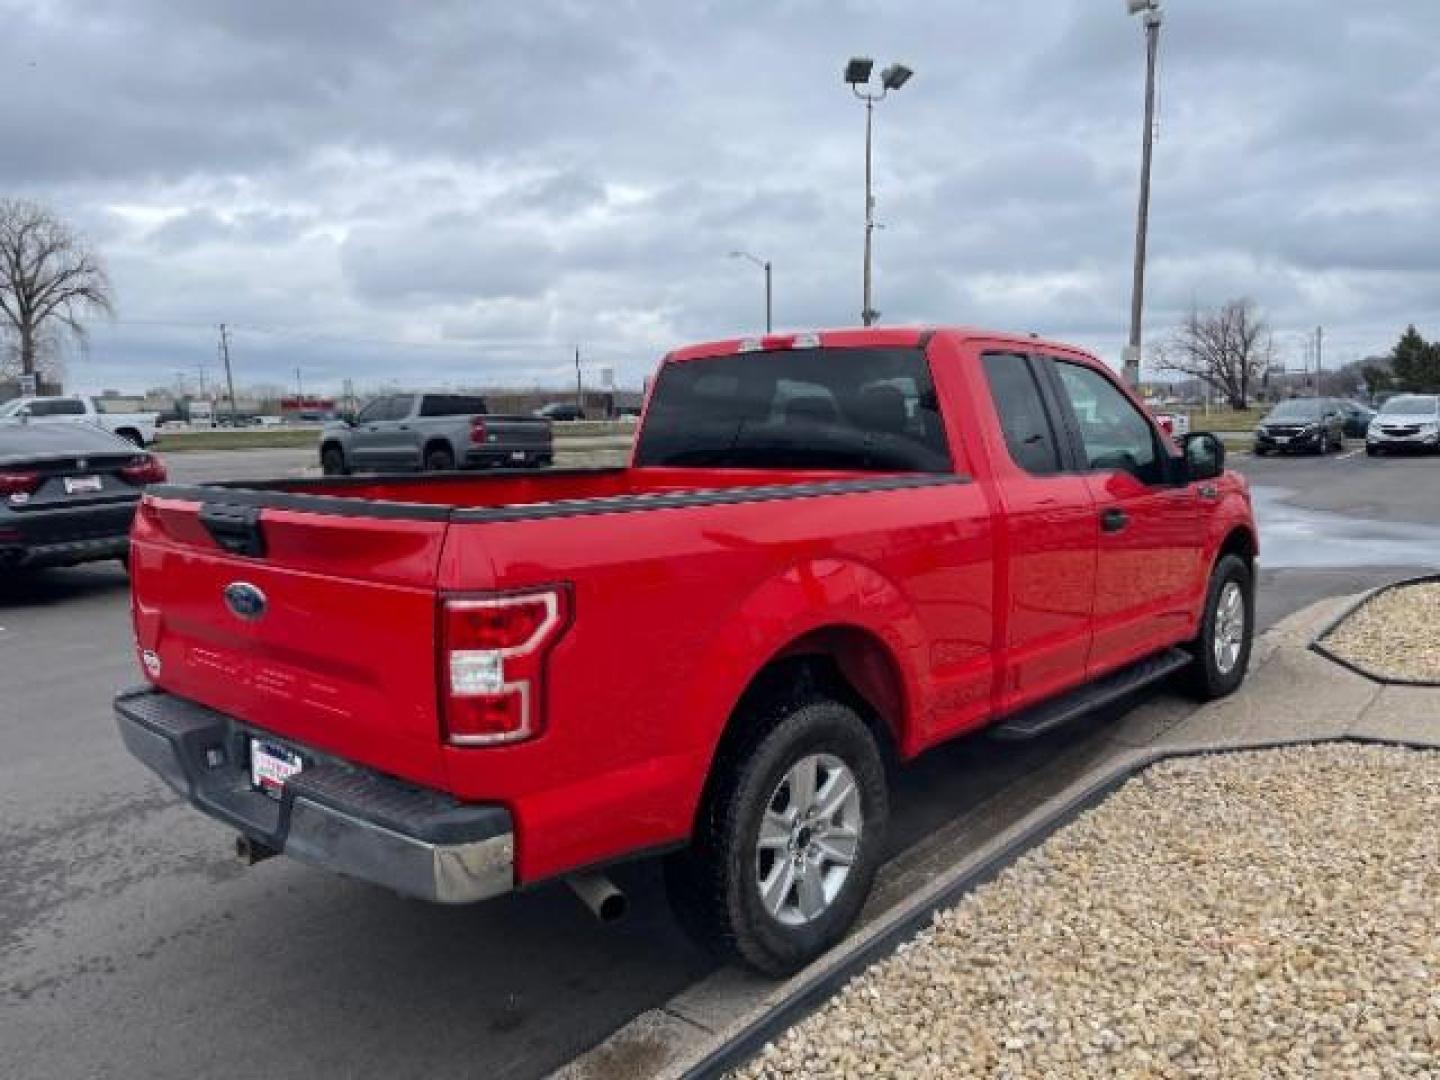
(788, 839)
(1222, 648)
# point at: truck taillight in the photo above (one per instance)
(478, 433)
(493, 660)
(145, 469)
(19, 483)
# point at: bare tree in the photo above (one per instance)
(49, 281)
(1228, 348)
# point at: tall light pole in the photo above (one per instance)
(1150, 9)
(764, 264)
(857, 74)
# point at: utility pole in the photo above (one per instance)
(1151, 10)
(299, 389)
(579, 388)
(229, 375)
(1319, 357)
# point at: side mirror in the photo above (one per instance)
(1204, 456)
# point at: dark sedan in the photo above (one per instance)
(1357, 418)
(1301, 426)
(68, 493)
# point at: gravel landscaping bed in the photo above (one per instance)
(1270, 913)
(1395, 635)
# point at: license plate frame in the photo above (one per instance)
(83, 485)
(1282, 440)
(271, 765)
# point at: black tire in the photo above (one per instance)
(1372, 451)
(1207, 678)
(332, 460)
(714, 885)
(439, 458)
(1260, 451)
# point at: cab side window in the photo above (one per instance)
(1115, 434)
(1029, 434)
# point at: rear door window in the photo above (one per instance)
(1029, 431)
(844, 409)
(451, 405)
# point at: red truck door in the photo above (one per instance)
(1150, 543)
(1046, 585)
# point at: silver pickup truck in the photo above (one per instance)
(434, 433)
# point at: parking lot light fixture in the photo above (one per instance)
(857, 75)
(763, 264)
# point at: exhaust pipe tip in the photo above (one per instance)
(601, 895)
(251, 852)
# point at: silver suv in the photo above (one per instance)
(1407, 422)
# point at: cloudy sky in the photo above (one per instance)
(454, 192)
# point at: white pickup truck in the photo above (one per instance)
(139, 428)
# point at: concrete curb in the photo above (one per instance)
(1318, 645)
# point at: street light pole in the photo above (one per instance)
(857, 74)
(764, 264)
(1151, 11)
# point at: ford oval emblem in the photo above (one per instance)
(244, 600)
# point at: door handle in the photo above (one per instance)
(404, 427)
(1113, 521)
(1208, 491)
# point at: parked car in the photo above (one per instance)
(136, 428)
(433, 432)
(1301, 426)
(1356, 417)
(1407, 422)
(560, 410)
(837, 550)
(68, 493)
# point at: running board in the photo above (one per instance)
(1048, 715)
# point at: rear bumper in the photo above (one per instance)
(65, 536)
(530, 455)
(64, 552)
(333, 815)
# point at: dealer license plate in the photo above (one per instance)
(1281, 440)
(271, 766)
(76, 485)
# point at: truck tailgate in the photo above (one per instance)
(339, 657)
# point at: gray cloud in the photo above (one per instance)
(388, 190)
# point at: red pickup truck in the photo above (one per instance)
(829, 552)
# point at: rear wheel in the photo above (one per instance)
(1222, 648)
(332, 460)
(439, 459)
(788, 839)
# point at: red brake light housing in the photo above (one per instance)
(493, 656)
(19, 483)
(145, 469)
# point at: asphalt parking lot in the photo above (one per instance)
(132, 943)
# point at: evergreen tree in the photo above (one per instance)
(1416, 362)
